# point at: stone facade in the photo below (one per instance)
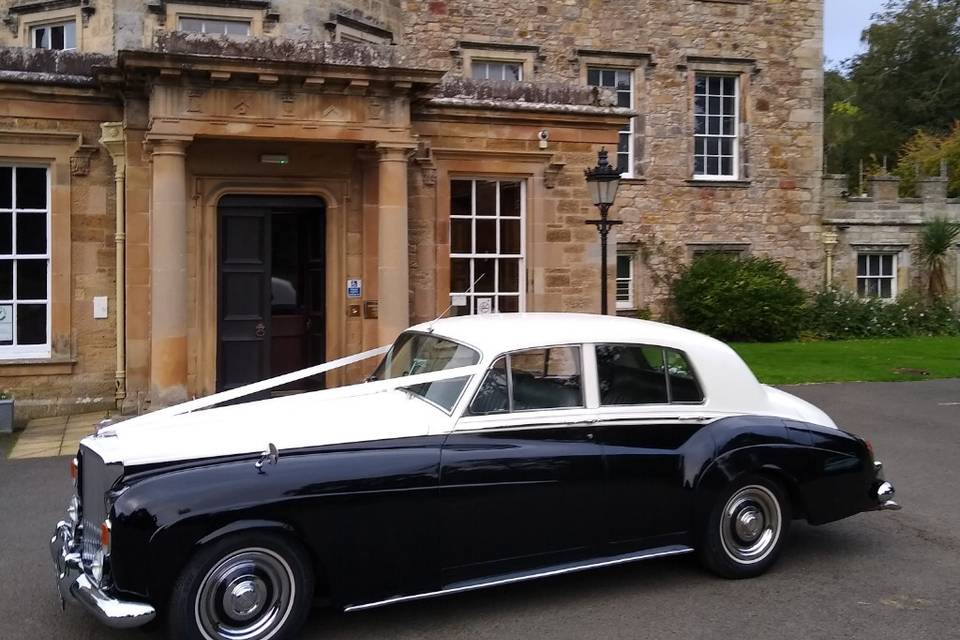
(367, 103)
(879, 222)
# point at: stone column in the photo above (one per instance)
(393, 270)
(168, 266)
(830, 239)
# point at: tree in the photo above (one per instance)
(906, 81)
(936, 238)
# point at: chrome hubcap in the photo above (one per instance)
(751, 524)
(246, 596)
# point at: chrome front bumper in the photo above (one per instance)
(883, 491)
(74, 584)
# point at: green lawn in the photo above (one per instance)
(853, 360)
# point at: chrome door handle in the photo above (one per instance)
(260, 330)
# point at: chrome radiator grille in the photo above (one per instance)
(95, 479)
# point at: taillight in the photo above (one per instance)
(74, 472)
(869, 448)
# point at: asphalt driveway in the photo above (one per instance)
(875, 576)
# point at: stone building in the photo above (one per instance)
(871, 238)
(231, 189)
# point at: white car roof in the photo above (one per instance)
(498, 333)
(727, 381)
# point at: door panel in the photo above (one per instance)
(271, 288)
(648, 494)
(244, 296)
(518, 498)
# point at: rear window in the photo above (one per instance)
(641, 374)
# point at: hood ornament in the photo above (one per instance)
(271, 455)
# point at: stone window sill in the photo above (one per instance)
(47, 367)
(730, 184)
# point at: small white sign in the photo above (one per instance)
(354, 288)
(484, 305)
(6, 322)
(458, 301)
(99, 307)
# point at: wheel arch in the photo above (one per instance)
(730, 467)
(192, 540)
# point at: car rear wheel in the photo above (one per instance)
(245, 587)
(746, 528)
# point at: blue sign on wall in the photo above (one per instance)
(354, 288)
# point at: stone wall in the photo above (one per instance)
(879, 221)
(61, 133)
(775, 46)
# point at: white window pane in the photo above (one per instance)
(70, 35)
(887, 265)
(237, 28)
(191, 25)
(861, 265)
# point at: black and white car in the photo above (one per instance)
(483, 451)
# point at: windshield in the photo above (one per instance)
(415, 353)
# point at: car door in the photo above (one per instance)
(521, 473)
(651, 424)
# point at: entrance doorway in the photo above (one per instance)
(271, 311)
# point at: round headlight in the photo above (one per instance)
(96, 566)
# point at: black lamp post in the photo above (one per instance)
(603, 181)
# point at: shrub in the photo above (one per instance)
(746, 299)
(834, 314)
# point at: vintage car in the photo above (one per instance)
(482, 451)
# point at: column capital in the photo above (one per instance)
(395, 151)
(167, 144)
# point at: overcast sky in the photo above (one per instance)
(845, 19)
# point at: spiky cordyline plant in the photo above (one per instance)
(936, 238)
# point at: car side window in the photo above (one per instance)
(546, 378)
(527, 380)
(683, 383)
(631, 374)
(493, 396)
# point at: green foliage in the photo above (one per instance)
(755, 300)
(906, 81)
(936, 239)
(834, 314)
(747, 299)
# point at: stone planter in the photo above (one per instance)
(6, 416)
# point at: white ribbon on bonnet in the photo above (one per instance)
(278, 381)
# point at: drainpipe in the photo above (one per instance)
(111, 137)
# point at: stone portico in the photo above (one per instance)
(350, 135)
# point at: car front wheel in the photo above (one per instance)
(245, 587)
(746, 528)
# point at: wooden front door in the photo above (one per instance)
(271, 288)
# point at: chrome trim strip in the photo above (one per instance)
(659, 552)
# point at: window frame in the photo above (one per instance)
(472, 294)
(216, 18)
(630, 303)
(663, 352)
(631, 131)
(50, 23)
(737, 125)
(510, 411)
(31, 351)
(893, 277)
(483, 60)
